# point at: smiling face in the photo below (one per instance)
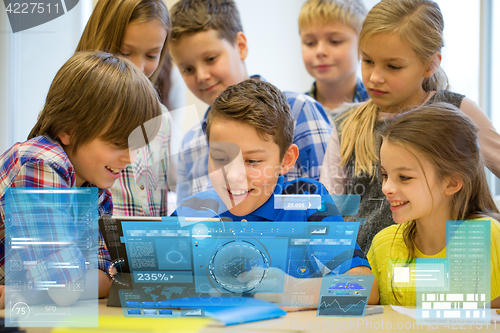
(97, 162)
(330, 52)
(392, 72)
(244, 168)
(209, 64)
(413, 194)
(142, 44)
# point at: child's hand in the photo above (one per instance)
(2, 297)
(291, 293)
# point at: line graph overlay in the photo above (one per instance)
(342, 306)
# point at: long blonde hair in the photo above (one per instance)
(106, 26)
(420, 24)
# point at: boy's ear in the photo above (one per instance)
(241, 44)
(65, 138)
(434, 63)
(289, 159)
(454, 184)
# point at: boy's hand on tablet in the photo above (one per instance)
(291, 293)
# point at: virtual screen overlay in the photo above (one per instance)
(51, 246)
(466, 296)
(344, 295)
(456, 288)
(160, 263)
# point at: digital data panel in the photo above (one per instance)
(51, 247)
(344, 295)
(173, 258)
(467, 295)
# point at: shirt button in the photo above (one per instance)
(142, 187)
(244, 220)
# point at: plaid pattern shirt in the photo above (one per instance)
(142, 187)
(360, 95)
(42, 162)
(311, 134)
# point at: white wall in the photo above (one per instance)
(29, 61)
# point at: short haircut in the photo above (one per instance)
(260, 105)
(321, 12)
(193, 16)
(106, 27)
(98, 95)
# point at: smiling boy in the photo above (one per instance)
(209, 47)
(81, 139)
(250, 132)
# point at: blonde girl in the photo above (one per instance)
(137, 29)
(400, 46)
(432, 172)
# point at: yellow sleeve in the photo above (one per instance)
(495, 259)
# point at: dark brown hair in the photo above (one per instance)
(192, 16)
(101, 95)
(260, 105)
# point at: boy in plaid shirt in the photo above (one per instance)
(82, 139)
(209, 47)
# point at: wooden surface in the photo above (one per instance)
(306, 321)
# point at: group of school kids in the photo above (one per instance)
(370, 137)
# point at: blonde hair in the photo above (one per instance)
(97, 94)
(420, 24)
(321, 12)
(448, 139)
(106, 26)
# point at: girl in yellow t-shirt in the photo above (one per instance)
(432, 172)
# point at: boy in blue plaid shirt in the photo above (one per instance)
(209, 47)
(81, 139)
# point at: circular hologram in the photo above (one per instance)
(200, 231)
(231, 265)
(174, 257)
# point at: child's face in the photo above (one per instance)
(97, 162)
(330, 52)
(392, 72)
(251, 165)
(412, 194)
(142, 44)
(209, 64)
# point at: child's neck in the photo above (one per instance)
(430, 238)
(414, 102)
(333, 94)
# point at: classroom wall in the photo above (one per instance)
(29, 61)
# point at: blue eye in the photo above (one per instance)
(404, 178)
